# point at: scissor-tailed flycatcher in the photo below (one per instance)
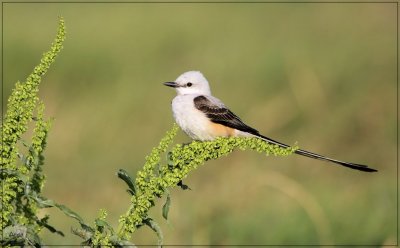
(204, 117)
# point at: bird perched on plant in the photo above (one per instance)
(204, 117)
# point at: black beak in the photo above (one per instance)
(171, 84)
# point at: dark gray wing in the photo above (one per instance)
(221, 115)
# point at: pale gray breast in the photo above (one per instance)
(191, 120)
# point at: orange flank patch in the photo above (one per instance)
(219, 130)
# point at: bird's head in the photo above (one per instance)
(191, 82)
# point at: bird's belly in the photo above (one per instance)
(194, 126)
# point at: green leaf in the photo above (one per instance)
(43, 202)
(101, 223)
(14, 173)
(44, 222)
(47, 203)
(83, 233)
(52, 229)
(74, 215)
(69, 212)
(165, 208)
(40, 200)
(121, 243)
(122, 174)
(156, 228)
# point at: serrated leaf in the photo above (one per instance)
(122, 174)
(165, 208)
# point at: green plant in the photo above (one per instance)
(155, 178)
(22, 174)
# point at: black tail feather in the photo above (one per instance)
(354, 166)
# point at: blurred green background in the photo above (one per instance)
(321, 74)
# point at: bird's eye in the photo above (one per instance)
(189, 84)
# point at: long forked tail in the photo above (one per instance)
(354, 166)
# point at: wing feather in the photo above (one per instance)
(220, 114)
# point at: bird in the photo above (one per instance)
(204, 117)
